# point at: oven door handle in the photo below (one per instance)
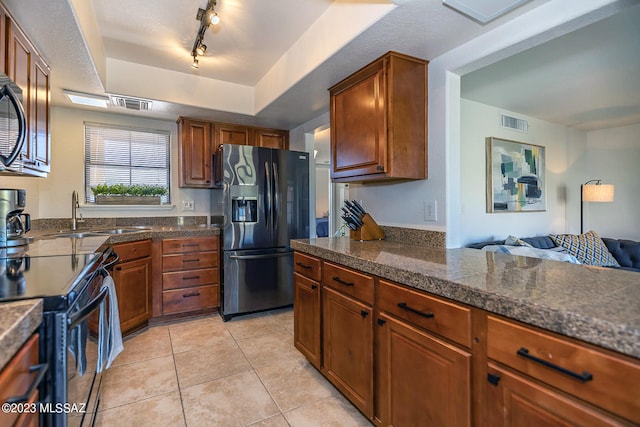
(79, 316)
(42, 369)
(108, 254)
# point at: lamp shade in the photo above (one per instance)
(598, 193)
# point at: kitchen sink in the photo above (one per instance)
(122, 230)
(95, 232)
(75, 234)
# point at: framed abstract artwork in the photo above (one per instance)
(515, 176)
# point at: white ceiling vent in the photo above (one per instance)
(131, 103)
(484, 10)
(514, 123)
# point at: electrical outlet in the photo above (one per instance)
(188, 205)
(430, 210)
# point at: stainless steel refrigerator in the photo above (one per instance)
(265, 205)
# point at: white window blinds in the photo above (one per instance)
(118, 155)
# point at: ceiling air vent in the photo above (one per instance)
(509, 122)
(131, 103)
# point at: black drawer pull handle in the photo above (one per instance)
(584, 377)
(342, 282)
(191, 260)
(308, 267)
(185, 245)
(364, 313)
(190, 277)
(314, 287)
(194, 294)
(404, 306)
(42, 369)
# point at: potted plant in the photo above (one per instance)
(120, 194)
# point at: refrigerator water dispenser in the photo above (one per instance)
(244, 209)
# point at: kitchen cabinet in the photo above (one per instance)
(379, 121)
(226, 133)
(190, 274)
(347, 334)
(27, 68)
(306, 307)
(15, 380)
(421, 378)
(132, 279)
(195, 153)
(271, 138)
(538, 378)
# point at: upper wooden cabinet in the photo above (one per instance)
(194, 151)
(25, 67)
(198, 140)
(379, 121)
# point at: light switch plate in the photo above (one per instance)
(188, 205)
(430, 210)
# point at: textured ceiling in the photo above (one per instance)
(254, 35)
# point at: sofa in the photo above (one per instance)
(625, 252)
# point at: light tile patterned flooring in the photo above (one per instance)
(206, 372)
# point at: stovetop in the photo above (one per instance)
(49, 269)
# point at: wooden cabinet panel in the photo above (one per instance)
(306, 325)
(379, 121)
(516, 401)
(420, 379)
(189, 261)
(189, 244)
(226, 133)
(195, 152)
(348, 281)
(307, 266)
(3, 39)
(271, 138)
(190, 299)
(347, 347)
(40, 131)
(447, 319)
(607, 379)
(133, 288)
(15, 379)
(190, 278)
(133, 250)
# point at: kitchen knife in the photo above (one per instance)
(359, 207)
(349, 222)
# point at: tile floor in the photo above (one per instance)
(206, 372)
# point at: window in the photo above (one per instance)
(120, 155)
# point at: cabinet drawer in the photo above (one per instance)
(190, 299)
(605, 379)
(191, 244)
(348, 281)
(16, 378)
(189, 261)
(307, 266)
(444, 318)
(133, 250)
(190, 278)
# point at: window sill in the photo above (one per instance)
(127, 207)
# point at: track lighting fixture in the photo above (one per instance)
(206, 17)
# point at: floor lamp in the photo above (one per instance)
(597, 192)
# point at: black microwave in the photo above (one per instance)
(13, 124)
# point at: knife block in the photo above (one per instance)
(370, 230)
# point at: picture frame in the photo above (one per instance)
(515, 176)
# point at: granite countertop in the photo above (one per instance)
(18, 320)
(597, 305)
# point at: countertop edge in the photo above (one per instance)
(24, 317)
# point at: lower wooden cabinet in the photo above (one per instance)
(347, 342)
(421, 380)
(132, 278)
(15, 380)
(306, 306)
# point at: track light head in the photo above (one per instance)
(201, 49)
(195, 63)
(212, 17)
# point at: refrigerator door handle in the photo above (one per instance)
(280, 254)
(276, 194)
(269, 194)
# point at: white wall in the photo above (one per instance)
(614, 156)
(480, 121)
(51, 197)
(322, 190)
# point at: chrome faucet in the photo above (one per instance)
(75, 205)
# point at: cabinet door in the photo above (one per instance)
(3, 39)
(516, 401)
(19, 67)
(420, 379)
(133, 288)
(271, 138)
(359, 124)
(195, 153)
(40, 131)
(347, 342)
(306, 327)
(230, 134)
